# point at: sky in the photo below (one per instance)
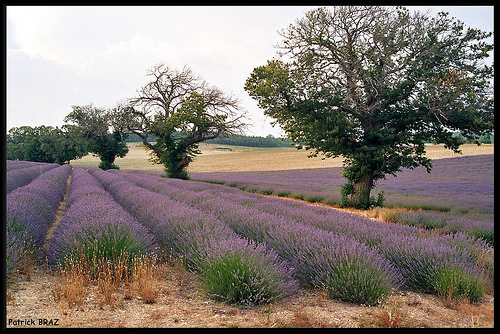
(60, 56)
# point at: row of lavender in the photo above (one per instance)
(232, 268)
(20, 173)
(348, 269)
(18, 164)
(30, 210)
(462, 183)
(341, 259)
(327, 247)
(95, 226)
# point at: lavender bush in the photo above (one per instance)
(95, 226)
(420, 256)
(446, 223)
(210, 247)
(30, 210)
(14, 252)
(22, 176)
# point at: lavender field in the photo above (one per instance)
(462, 183)
(249, 249)
(457, 195)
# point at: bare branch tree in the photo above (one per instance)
(180, 110)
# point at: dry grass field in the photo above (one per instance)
(242, 158)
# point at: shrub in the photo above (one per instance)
(267, 191)
(283, 193)
(249, 275)
(105, 165)
(432, 267)
(95, 226)
(314, 199)
(458, 283)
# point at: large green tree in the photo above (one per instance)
(374, 84)
(103, 137)
(180, 110)
(65, 144)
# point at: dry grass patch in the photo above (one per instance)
(147, 277)
(142, 277)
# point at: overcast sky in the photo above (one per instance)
(63, 56)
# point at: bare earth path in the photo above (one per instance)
(181, 304)
(59, 214)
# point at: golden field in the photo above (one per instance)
(242, 158)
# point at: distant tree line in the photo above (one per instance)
(252, 141)
(93, 131)
(70, 142)
(45, 144)
(238, 140)
(486, 139)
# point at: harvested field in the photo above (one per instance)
(243, 158)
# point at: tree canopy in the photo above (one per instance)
(103, 137)
(45, 144)
(180, 110)
(374, 84)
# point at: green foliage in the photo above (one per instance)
(105, 165)
(267, 191)
(366, 284)
(45, 144)
(347, 190)
(314, 199)
(93, 125)
(252, 141)
(456, 283)
(375, 91)
(238, 279)
(110, 243)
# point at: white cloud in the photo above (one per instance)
(63, 56)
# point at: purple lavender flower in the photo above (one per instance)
(268, 220)
(31, 208)
(22, 176)
(459, 183)
(209, 246)
(96, 225)
(347, 269)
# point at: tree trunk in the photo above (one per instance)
(360, 197)
(176, 161)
